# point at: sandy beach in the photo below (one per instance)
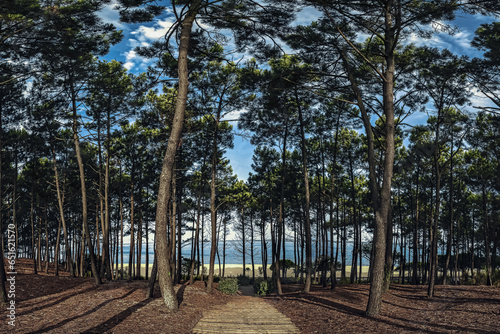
(233, 270)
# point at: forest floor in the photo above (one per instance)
(48, 304)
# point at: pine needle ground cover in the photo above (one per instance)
(48, 304)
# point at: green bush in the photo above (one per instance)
(187, 277)
(262, 287)
(288, 265)
(480, 278)
(244, 280)
(292, 280)
(496, 278)
(344, 281)
(228, 285)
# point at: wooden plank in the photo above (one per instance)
(245, 315)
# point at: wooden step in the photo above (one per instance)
(245, 315)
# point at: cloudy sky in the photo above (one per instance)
(241, 156)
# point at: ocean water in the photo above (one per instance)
(234, 252)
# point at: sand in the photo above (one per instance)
(233, 270)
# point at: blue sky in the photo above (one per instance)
(241, 156)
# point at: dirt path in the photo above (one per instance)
(246, 314)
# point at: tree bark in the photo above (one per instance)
(197, 234)
(415, 279)
(486, 235)
(3, 293)
(62, 217)
(152, 278)
(307, 227)
(105, 236)
(282, 208)
(132, 237)
(86, 230)
(383, 203)
(434, 237)
(213, 208)
(162, 246)
(388, 253)
(450, 226)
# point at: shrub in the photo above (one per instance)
(243, 280)
(496, 278)
(479, 278)
(344, 281)
(288, 265)
(292, 280)
(262, 287)
(228, 285)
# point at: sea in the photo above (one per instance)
(234, 254)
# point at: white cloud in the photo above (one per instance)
(478, 99)
(142, 37)
(131, 55)
(110, 15)
(155, 32)
(234, 115)
(463, 39)
(132, 59)
(128, 65)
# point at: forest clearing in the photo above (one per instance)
(48, 304)
(160, 160)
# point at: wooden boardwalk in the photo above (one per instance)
(245, 315)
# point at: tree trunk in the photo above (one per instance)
(307, 227)
(213, 208)
(105, 236)
(96, 235)
(415, 279)
(179, 233)
(132, 237)
(14, 192)
(3, 293)
(251, 247)
(32, 220)
(433, 257)
(197, 234)
(56, 251)
(333, 264)
(388, 253)
(105, 252)
(162, 247)
(243, 239)
(450, 226)
(62, 217)
(383, 202)
(121, 220)
(434, 236)
(355, 248)
(282, 208)
(486, 235)
(86, 230)
(173, 221)
(139, 244)
(152, 278)
(264, 247)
